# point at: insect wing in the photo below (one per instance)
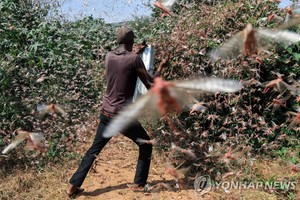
(167, 186)
(282, 36)
(126, 117)
(61, 111)
(290, 23)
(18, 140)
(43, 109)
(197, 107)
(36, 137)
(40, 107)
(294, 90)
(209, 85)
(141, 141)
(229, 49)
(168, 3)
(297, 108)
(293, 124)
(181, 96)
(183, 171)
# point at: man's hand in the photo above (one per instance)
(139, 48)
(164, 63)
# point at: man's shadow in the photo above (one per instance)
(101, 191)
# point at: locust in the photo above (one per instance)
(165, 6)
(252, 40)
(33, 141)
(51, 108)
(168, 98)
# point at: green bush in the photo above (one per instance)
(70, 55)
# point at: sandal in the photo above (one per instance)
(138, 188)
(74, 191)
(135, 187)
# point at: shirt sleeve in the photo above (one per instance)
(142, 73)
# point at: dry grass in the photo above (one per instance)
(52, 182)
(49, 184)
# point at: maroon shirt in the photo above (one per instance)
(122, 70)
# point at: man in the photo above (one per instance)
(122, 69)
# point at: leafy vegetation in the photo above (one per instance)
(67, 59)
(45, 62)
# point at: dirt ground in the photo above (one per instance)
(115, 168)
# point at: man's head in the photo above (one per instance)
(125, 35)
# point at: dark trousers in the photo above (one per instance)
(133, 132)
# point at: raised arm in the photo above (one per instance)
(162, 64)
(144, 75)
